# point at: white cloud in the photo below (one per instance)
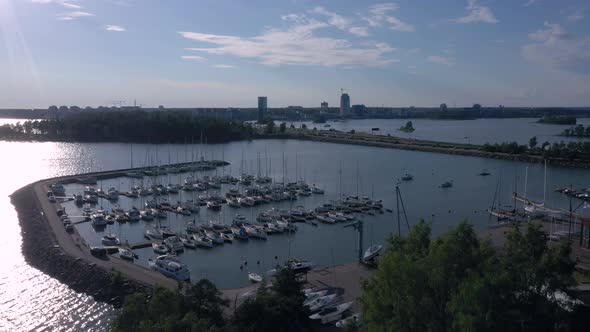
(114, 28)
(530, 2)
(297, 45)
(340, 22)
(223, 66)
(193, 58)
(441, 60)
(477, 13)
(359, 31)
(71, 5)
(379, 16)
(576, 16)
(555, 48)
(73, 15)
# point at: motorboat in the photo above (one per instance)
(227, 237)
(407, 177)
(110, 240)
(159, 248)
(253, 277)
(216, 225)
(213, 236)
(240, 219)
(239, 233)
(446, 184)
(354, 319)
(174, 244)
(325, 219)
(372, 252)
(113, 194)
(127, 254)
(337, 217)
(133, 215)
(332, 313)
(484, 172)
(147, 215)
(171, 267)
(173, 188)
(255, 232)
(167, 232)
(183, 210)
(192, 227)
(246, 201)
(316, 190)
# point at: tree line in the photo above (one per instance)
(136, 126)
(569, 150)
(577, 131)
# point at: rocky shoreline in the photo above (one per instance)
(42, 251)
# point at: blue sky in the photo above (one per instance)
(221, 53)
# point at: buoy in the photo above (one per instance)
(241, 267)
(245, 262)
(258, 262)
(276, 257)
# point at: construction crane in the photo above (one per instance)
(358, 226)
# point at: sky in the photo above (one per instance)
(225, 53)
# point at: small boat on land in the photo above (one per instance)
(354, 319)
(322, 302)
(254, 277)
(332, 313)
(372, 252)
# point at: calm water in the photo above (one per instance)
(465, 131)
(31, 300)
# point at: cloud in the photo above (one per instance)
(379, 16)
(296, 45)
(193, 58)
(114, 28)
(65, 3)
(71, 5)
(441, 60)
(73, 15)
(341, 22)
(223, 66)
(477, 13)
(555, 48)
(530, 2)
(576, 16)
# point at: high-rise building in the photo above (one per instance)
(344, 104)
(262, 105)
(324, 104)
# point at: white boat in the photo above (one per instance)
(127, 254)
(239, 233)
(160, 248)
(146, 215)
(354, 319)
(322, 302)
(173, 188)
(254, 277)
(174, 244)
(133, 215)
(202, 241)
(317, 190)
(372, 252)
(110, 240)
(331, 314)
(213, 236)
(135, 175)
(255, 232)
(153, 234)
(233, 202)
(171, 267)
(192, 227)
(325, 219)
(246, 201)
(189, 243)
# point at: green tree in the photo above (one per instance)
(457, 282)
(282, 127)
(270, 127)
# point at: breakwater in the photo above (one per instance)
(393, 142)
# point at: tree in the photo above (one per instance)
(270, 127)
(443, 107)
(279, 308)
(303, 126)
(533, 142)
(476, 107)
(458, 282)
(282, 127)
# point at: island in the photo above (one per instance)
(558, 119)
(408, 127)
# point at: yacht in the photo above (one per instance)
(147, 215)
(98, 220)
(255, 232)
(110, 240)
(171, 267)
(240, 219)
(173, 188)
(239, 233)
(233, 202)
(212, 205)
(192, 227)
(317, 190)
(153, 234)
(113, 194)
(189, 243)
(332, 313)
(174, 244)
(133, 215)
(203, 241)
(183, 210)
(246, 201)
(214, 237)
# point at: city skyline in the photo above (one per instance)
(397, 54)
